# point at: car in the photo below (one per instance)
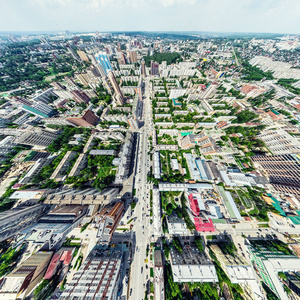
(146, 266)
(130, 291)
(141, 269)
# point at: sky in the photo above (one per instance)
(268, 16)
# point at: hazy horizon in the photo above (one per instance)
(215, 16)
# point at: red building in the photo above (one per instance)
(88, 119)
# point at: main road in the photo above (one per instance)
(141, 212)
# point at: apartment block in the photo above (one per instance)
(98, 277)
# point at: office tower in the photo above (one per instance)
(154, 68)
(82, 55)
(80, 96)
(37, 137)
(119, 47)
(17, 219)
(21, 282)
(87, 119)
(103, 61)
(283, 171)
(143, 68)
(119, 95)
(132, 57)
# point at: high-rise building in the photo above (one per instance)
(88, 119)
(132, 57)
(103, 60)
(280, 142)
(82, 55)
(83, 78)
(72, 52)
(98, 66)
(154, 68)
(118, 93)
(21, 282)
(123, 59)
(143, 68)
(283, 171)
(98, 277)
(70, 81)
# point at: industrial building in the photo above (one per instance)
(17, 219)
(21, 282)
(37, 137)
(191, 265)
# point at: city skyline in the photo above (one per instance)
(272, 16)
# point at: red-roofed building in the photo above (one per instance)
(54, 263)
(204, 225)
(196, 205)
(62, 257)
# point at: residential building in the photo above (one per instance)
(60, 171)
(82, 55)
(156, 165)
(154, 68)
(132, 57)
(118, 93)
(158, 275)
(107, 221)
(98, 277)
(280, 142)
(283, 171)
(80, 96)
(143, 68)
